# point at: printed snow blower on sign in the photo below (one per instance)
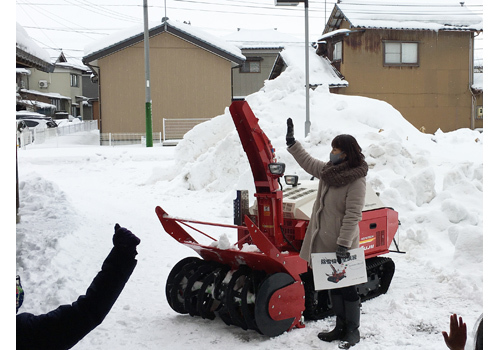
(268, 289)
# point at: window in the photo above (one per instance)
(74, 80)
(337, 51)
(400, 53)
(56, 102)
(251, 65)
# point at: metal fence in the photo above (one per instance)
(174, 129)
(38, 136)
(119, 139)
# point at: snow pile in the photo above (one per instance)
(435, 182)
(321, 71)
(45, 208)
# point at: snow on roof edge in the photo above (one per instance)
(415, 25)
(123, 36)
(438, 15)
(28, 45)
(320, 70)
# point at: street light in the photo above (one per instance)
(306, 10)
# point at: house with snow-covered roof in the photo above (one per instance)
(62, 88)
(29, 54)
(190, 74)
(419, 57)
(321, 72)
(261, 47)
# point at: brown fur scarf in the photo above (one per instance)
(341, 174)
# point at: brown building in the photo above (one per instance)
(419, 58)
(190, 76)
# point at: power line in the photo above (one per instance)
(72, 30)
(27, 14)
(96, 9)
(55, 18)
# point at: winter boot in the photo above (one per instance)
(352, 315)
(339, 331)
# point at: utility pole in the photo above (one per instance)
(307, 125)
(149, 118)
(306, 20)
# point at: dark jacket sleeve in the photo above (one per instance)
(65, 326)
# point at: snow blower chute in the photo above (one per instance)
(269, 289)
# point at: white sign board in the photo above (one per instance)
(329, 274)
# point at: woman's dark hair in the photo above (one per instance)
(349, 145)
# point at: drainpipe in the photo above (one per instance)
(96, 70)
(232, 81)
(471, 81)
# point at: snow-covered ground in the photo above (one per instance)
(73, 191)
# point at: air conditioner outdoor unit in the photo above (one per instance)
(43, 84)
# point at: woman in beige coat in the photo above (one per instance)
(334, 221)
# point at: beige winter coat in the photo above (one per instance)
(336, 211)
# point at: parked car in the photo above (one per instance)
(40, 123)
(31, 115)
(21, 127)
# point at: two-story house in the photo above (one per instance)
(29, 56)
(417, 57)
(62, 87)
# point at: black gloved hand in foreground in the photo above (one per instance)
(290, 140)
(342, 253)
(125, 241)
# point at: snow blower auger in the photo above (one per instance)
(261, 283)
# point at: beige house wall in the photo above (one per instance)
(433, 95)
(186, 82)
(59, 82)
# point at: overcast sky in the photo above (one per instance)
(72, 24)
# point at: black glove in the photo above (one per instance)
(290, 140)
(342, 253)
(125, 241)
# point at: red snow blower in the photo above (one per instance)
(268, 289)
